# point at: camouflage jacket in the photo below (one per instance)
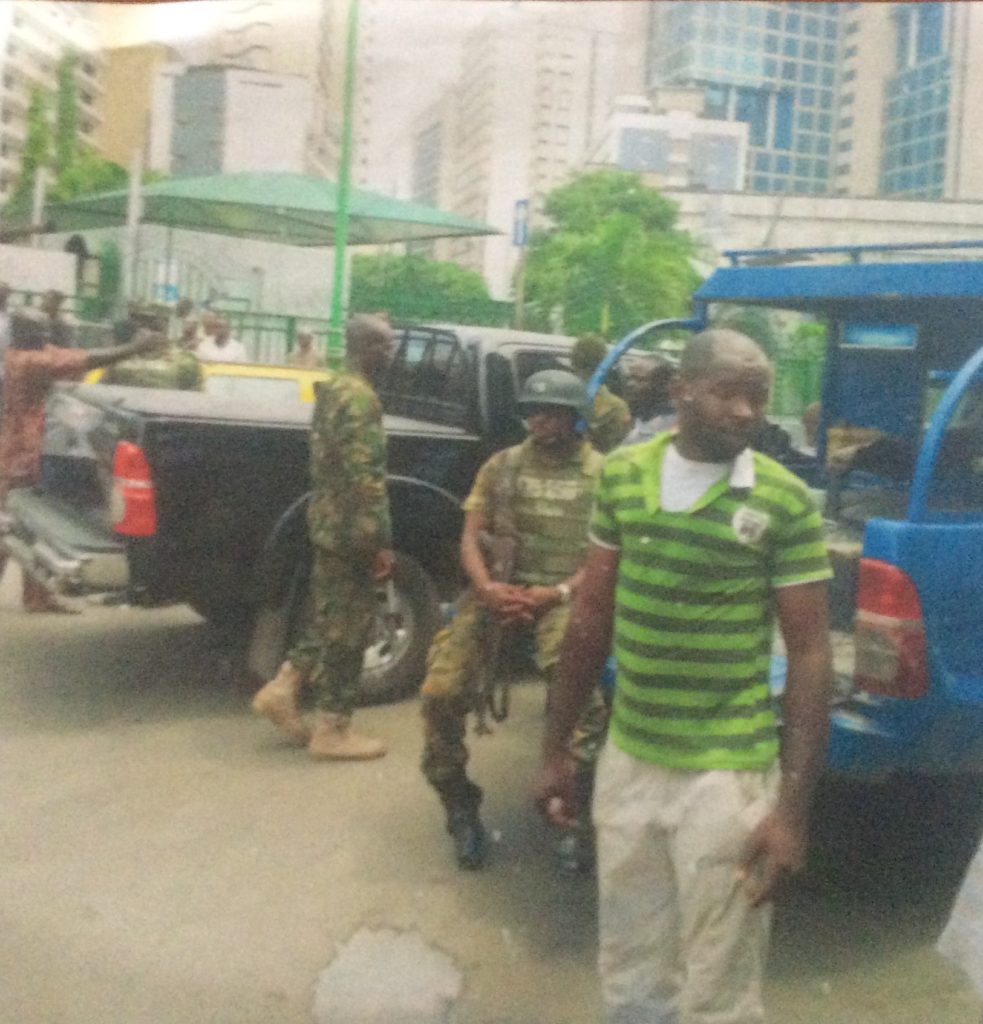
(349, 508)
(609, 421)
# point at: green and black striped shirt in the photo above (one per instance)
(693, 607)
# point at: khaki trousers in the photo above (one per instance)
(679, 941)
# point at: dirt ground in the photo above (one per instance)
(164, 858)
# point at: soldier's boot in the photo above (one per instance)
(332, 739)
(277, 701)
(461, 799)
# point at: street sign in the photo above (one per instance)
(520, 223)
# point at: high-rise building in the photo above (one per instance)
(774, 66)
(34, 37)
(129, 75)
(308, 38)
(225, 119)
(665, 138)
(912, 75)
(533, 92)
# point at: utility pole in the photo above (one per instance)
(336, 327)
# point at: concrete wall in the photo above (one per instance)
(36, 270)
(736, 220)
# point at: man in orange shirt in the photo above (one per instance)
(31, 367)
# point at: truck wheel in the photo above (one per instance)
(396, 656)
(397, 653)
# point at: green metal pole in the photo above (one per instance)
(336, 328)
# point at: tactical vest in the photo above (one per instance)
(546, 508)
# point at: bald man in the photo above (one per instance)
(696, 541)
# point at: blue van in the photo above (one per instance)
(902, 425)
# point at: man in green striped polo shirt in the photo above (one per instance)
(697, 544)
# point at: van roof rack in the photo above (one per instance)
(856, 253)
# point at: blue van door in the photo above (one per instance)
(919, 625)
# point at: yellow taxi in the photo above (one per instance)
(252, 380)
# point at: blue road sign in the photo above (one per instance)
(520, 223)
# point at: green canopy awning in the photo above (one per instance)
(294, 209)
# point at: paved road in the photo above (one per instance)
(163, 858)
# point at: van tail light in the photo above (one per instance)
(889, 633)
(133, 505)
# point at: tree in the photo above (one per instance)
(77, 169)
(413, 288)
(761, 325)
(66, 114)
(612, 259)
(35, 155)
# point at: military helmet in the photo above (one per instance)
(555, 387)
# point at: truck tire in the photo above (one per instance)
(396, 656)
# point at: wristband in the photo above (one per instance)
(566, 594)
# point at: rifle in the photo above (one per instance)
(492, 692)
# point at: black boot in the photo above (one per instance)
(461, 799)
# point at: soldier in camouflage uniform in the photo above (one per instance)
(610, 419)
(348, 523)
(540, 494)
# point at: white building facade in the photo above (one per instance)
(34, 37)
(214, 119)
(672, 144)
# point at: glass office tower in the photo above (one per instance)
(771, 65)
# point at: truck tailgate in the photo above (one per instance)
(62, 548)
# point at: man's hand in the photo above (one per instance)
(385, 562)
(542, 599)
(148, 342)
(553, 791)
(775, 850)
(507, 602)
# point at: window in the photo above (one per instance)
(849, 76)
(812, 26)
(771, 44)
(783, 120)
(842, 168)
(845, 146)
(783, 164)
(791, 47)
(809, 73)
(810, 51)
(792, 22)
(929, 42)
(850, 51)
(789, 71)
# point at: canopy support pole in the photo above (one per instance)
(336, 330)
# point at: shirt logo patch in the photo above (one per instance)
(750, 525)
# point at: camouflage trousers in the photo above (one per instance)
(337, 624)
(449, 691)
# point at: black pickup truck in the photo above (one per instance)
(157, 497)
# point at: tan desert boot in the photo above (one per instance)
(333, 740)
(277, 701)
